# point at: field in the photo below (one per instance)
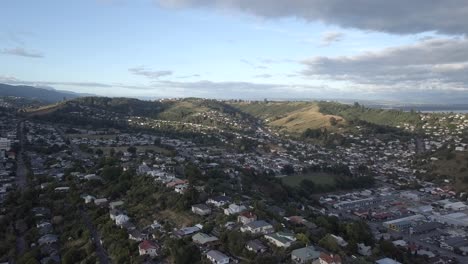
(300, 120)
(319, 178)
(44, 110)
(291, 117)
(454, 169)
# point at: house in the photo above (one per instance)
(135, 235)
(100, 202)
(234, 209)
(88, 199)
(201, 209)
(219, 201)
(387, 261)
(328, 259)
(148, 248)
(246, 217)
(296, 220)
(217, 257)
(203, 239)
(281, 239)
(114, 205)
(258, 227)
(180, 188)
(121, 219)
(340, 241)
(305, 255)
(62, 189)
(113, 213)
(176, 182)
(364, 250)
(186, 231)
(48, 239)
(256, 246)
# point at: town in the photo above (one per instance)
(124, 188)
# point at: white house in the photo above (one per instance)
(281, 239)
(148, 248)
(201, 209)
(121, 219)
(234, 209)
(246, 217)
(217, 257)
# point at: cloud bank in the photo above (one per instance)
(395, 16)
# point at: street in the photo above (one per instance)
(100, 251)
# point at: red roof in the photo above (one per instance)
(248, 214)
(176, 182)
(146, 244)
(296, 219)
(335, 259)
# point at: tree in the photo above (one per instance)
(303, 238)
(329, 243)
(132, 150)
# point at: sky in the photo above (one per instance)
(407, 51)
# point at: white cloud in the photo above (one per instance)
(330, 37)
(22, 52)
(440, 64)
(150, 73)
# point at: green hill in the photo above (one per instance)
(289, 117)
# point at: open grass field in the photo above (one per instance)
(455, 169)
(318, 178)
(44, 110)
(300, 120)
(291, 117)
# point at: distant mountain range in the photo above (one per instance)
(46, 95)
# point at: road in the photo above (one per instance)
(21, 171)
(77, 152)
(100, 251)
(21, 181)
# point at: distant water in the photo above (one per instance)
(446, 111)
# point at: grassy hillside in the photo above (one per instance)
(374, 116)
(309, 117)
(297, 117)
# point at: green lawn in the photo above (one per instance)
(319, 178)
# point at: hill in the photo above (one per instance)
(297, 117)
(292, 117)
(35, 93)
(210, 113)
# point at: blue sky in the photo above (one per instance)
(215, 48)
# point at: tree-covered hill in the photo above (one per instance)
(35, 93)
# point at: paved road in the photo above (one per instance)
(77, 152)
(100, 251)
(21, 172)
(21, 181)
